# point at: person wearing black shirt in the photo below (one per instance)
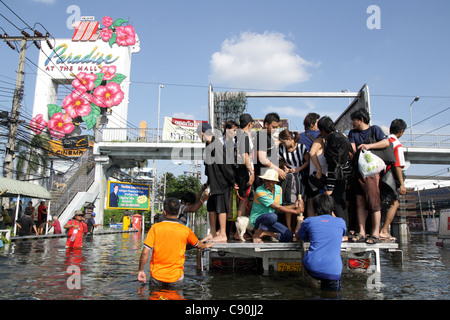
(267, 152)
(220, 175)
(26, 224)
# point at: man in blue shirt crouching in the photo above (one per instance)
(325, 231)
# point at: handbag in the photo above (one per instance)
(386, 154)
(388, 186)
(388, 180)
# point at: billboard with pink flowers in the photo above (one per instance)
(83, 82)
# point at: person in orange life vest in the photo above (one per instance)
(166, 245)
(77, 229)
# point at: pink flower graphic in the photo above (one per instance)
(125, 36)
(38, 124)
(77, 104)
(109, 72)
(107, 21)
(84, 81)
(60, 125)
(109, 95)
(106, 34)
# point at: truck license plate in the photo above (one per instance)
(289, 266)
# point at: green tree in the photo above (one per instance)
(177, 186)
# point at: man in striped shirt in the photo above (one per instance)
(396, 130)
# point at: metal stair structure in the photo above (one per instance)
(66, 189)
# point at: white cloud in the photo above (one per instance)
(182, 115)
(260, 61)
(289, 111)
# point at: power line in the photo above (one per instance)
(433, 115)
(445, 125)
(114, 115)
(15, 14)
(9, 21)
(408, 96)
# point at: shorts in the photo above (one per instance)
(152, 281)
(218, 203)
(369, 188)
(43, 219)
(388, 195)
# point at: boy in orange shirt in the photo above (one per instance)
(166, 244)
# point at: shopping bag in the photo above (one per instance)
(370, 164)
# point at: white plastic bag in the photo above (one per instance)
(370, 164)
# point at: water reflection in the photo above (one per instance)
(107, 269)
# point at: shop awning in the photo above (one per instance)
(24, 189)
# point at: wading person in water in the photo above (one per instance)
(325, 232)
(77, 229)
(165, 244)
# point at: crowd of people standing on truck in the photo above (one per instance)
(278, 178)
(279, 172)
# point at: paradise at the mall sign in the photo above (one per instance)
(84, 79)
(129, 196)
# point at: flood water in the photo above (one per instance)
(107, 265)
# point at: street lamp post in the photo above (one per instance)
(159, 108)
(154, 164)
(410, 114)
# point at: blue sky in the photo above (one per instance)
(322, 45)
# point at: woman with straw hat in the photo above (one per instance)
(268, 201)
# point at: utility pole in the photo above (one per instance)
(8, 164)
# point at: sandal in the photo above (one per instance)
(372, 240)
(358, 238)
(388, 238)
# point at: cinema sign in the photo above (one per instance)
(71, 147)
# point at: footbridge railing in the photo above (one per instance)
(128, 135)
(426, 140)
(416, 140)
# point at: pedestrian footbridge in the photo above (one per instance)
(126, 147)
(426, 148)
